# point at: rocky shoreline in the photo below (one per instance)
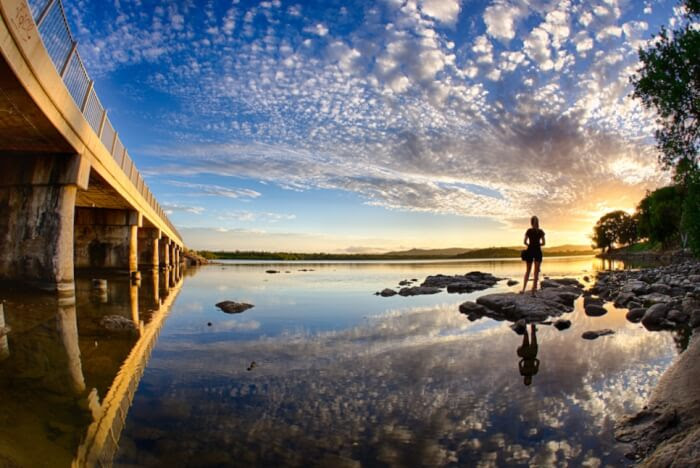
(667, 431)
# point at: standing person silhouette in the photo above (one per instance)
(534, 239)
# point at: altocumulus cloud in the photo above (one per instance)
(517, 107)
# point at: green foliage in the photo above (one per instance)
(668, 82)
(614, 228)
(691, 213)
(659, 215)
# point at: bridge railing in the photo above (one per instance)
(52, 24)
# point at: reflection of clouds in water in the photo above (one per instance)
(419, 386)
(236, 325)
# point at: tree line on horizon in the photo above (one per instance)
(668, 81)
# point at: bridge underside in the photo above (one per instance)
(58, 213)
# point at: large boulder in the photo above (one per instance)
(655, 298)
(513, 307)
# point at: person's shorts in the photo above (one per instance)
(532, 255)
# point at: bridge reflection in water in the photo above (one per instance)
(67, 381)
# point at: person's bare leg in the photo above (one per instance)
(535, 277)
(527, 276)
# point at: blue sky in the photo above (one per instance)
(370, 126)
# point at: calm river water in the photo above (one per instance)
(321, 372)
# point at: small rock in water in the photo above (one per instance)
(595, 310)
(588, 300)
(252, 366)
(512, 282)
(404, 283)
(586, 279)
(386, 292)
(593, 334)
(562, 324)
(272, 272)
(231, 307)
(208, 324)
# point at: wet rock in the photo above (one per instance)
(655, 298)
(512, 282)
(660, 288)
(587, 279)
(678, 317)
(386, 292)
(474, 280)
(634, 305)
(117, 323)
(563, 295)
(418, 291)
(636, 287)
(251, 366)
(623, 298)
(231, 307)
(588, 300)
(513, 307)
(562, 324)
(694, 278)
(519, 327)
(635, 315)
(593, 334)
(595, 310)
(655, 317)
(271, 272)
(404, 283)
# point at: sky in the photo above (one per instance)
(369, 126)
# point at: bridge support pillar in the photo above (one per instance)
(148, 247)
(164, 249)
(37, 202)
(106, 238)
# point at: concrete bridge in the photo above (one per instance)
(70, 195)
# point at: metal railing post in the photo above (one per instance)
(83, 106)
(64, 69)
(44, 13)
(114, 142)
(102, 123)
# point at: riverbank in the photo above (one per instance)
(667, 431)
(638, 255)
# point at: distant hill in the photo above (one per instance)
(490, 252)
(449, 252)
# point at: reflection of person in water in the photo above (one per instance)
(529, 364)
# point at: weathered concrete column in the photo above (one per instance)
(164, 249)
(106, 238)
(148, 247)
(37, 202)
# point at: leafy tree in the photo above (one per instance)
(668, 81)
(659, 214)
(616, 227)
(691, 213)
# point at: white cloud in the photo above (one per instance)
(318, 29)
(446, 11)
(501, 19)
(537, 47)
